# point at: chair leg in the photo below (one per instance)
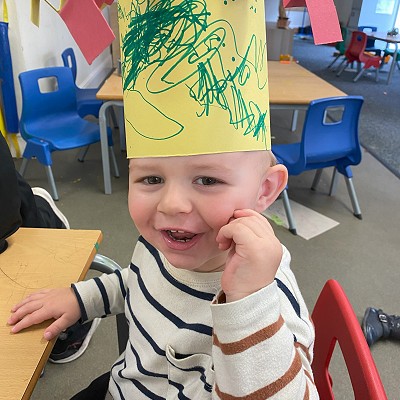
(358, 76)
(113, 117)
(353, 197)
(121, 125)
(23, 166)
(52, 183)
(82, 153)
(333, 62)
(334, 183)
(342, 68)
(317, 177)
(289, 214)
(114, 161)
(294, 120)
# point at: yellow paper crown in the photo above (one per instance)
(194, 76)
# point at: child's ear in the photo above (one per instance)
(275, 180)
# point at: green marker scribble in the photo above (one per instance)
(163, 35)
(167, 130)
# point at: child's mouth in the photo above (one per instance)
(180, 236)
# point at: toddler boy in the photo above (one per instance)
(213, 309)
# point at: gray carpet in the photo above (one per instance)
(379, 123)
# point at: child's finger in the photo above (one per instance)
(29, 298)
(24, 310)
(31, 319)
(57, 327)
(242, 230)
(262, 221)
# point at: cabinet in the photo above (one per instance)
(279, 41)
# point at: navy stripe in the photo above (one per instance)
(184, 288)
(84, 316)
(144, 333)
(151, 395)
(115, 383)
(138, 385)
(140, 367)
(180, 388)
(121, 283)
(200, 328)
(141, 387)
(201, 371)
(104, 295)
(289, 295)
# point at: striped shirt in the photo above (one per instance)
(184, 344)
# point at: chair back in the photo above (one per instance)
(370, 41)
(46, 92)
(69, 60)
(356, 46)
(335, 321)
(330, 133)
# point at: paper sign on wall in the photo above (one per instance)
(194, 76)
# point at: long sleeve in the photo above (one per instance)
(263, 344)
(103, 295)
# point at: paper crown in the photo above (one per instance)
(194, 76)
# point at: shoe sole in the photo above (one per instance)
(83, 347)
(38, 191)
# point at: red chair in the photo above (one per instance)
(356, 52)
(335, 321)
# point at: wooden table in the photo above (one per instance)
(36, 259)
(384, 37)
(291, 86)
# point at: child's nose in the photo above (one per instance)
(174, 200)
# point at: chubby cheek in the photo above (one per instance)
(219, 215)
(137, 211)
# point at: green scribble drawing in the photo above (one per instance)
(164, 35)
(166, 127)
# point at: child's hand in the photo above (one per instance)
(254, 256)
(60, 304)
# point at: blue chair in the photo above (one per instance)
(370, 46)
(329, 139)
(88, 104)
(50, 120)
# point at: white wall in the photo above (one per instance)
(33, 47)
(295, 15)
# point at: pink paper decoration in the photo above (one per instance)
(324, 20)
(87, 26)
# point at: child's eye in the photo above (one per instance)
(152, 180)
(207, 181)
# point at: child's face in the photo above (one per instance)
(180, 203)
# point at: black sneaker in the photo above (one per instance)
(73, 342)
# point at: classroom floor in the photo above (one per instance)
(362, 255)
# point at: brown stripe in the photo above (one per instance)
(307, 393)
(304, 349)
(271, 389)
(308, 375)
(249, 341)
